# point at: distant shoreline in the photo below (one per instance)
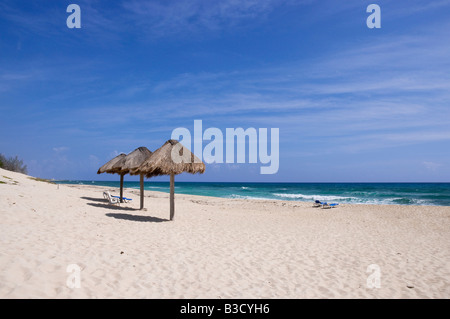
(152, 181)
(420, 194)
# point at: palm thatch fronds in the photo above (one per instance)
(107, 167)
(132, 160)
(170, 159)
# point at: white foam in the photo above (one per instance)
(247, 197)
(314, 197)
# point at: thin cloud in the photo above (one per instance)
(194, 16)
(60, 149)
(432, 166)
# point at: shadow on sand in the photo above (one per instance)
(137, 218)
(101, 200)
(109, 206)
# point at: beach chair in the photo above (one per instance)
(332, 205)
(125, 200)
(317, 203)
(106, 195)
(110, 199)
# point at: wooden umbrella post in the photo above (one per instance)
(121, 188)
(172, 196)
(142, 191)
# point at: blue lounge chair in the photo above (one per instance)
(332, 205)
(126, 200)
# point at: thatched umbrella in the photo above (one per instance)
(106, 168)
(126, 163)
(170, 159)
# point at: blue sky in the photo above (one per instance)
(351, 103)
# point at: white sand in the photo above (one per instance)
(215, 248)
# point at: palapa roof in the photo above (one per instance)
(132, 160)
(161, 162)
(106, 167)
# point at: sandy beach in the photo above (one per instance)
(215, 247)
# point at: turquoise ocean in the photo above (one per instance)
(437, 194)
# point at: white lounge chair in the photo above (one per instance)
(111, 200)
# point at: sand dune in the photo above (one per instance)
(215, 247)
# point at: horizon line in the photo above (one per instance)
(83, 180)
